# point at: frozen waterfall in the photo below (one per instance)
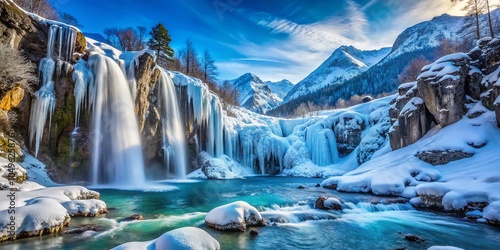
(322, 145)
(173, 136)
(44, 103)
(117, 153)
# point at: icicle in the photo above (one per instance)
(43, 105)
(59, 56)
(174, 143)
(82, 78)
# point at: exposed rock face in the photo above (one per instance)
(441, 157)
(145, 78)
(14, 24)
(411, 118)
(441, 85)
(348, 128)
(147, 107)
(12, 99)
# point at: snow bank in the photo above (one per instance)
(36, 217)
(186, 238)
(90, 207)
(492, 211)
(234, 216)
(458, 185)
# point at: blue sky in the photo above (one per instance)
(279, 39)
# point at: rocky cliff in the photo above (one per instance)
(453, 86)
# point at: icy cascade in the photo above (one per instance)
(117, 154)
(322, 145)
(43, 105)
(82, 78)
(174, 142)
(207, 113)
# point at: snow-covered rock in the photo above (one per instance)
(90, 207)
(185, 238)
(234, 216)
(492, 212)
(441, 85)
(37, 217)
(328, 203)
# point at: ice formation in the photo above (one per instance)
(43, 105)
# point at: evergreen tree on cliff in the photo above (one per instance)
(160, 42)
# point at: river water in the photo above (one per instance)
(366, 222)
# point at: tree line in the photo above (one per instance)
(474, 9)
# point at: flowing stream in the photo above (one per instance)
(366, 222)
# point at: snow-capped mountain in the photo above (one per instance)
(254, 94)
(426, 35)
(344, 63)
(280, 88)
(423, 39)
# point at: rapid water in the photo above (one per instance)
(367, 222)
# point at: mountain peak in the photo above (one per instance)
(257, 95)
(344, 63)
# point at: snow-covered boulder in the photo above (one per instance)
(492, 213)
(234, 216)
(90, 207)
(442, 87)
(39, 216)
(328, 203)
(185, 238)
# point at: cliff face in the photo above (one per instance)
(67, 155)
(453, 86)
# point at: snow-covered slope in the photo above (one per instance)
(254, 94)
(345, 63)
(426, 35)
(280, 88)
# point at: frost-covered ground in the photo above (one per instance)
(454, 185)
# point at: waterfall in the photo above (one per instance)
(117, 152)
(44, 103)
(174, 142)
(322, 145)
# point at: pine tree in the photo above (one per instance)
(160, 42)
